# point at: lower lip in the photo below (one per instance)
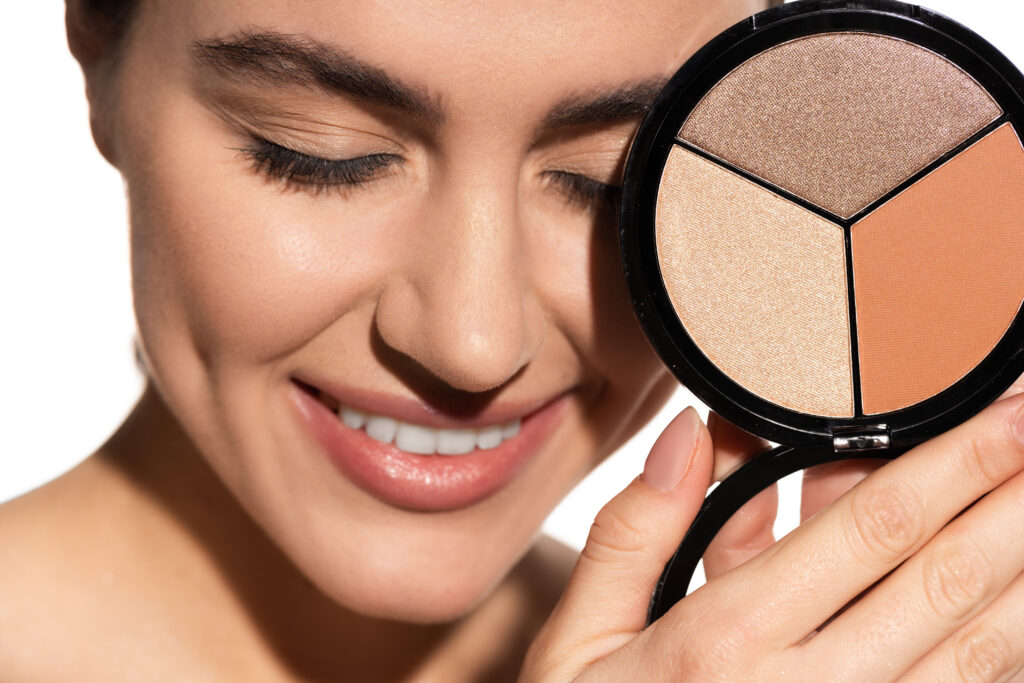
(425, 482)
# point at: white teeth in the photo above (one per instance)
(381, 428)
(423, 440)
(488, 437)
(510, 429)
(455, 441)
(352, 417)
(416, 439)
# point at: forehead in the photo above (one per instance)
(470, 52)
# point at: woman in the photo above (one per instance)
(364, 233)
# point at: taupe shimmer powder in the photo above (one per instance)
(759, 283)
(840, 119)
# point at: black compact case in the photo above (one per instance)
(806, 439)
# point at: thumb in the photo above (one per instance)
(633, 536)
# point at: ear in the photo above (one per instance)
(92, 42)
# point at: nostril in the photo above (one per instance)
(432, 377)
(472, 361)
(471, 343)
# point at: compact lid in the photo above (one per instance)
(822, 224)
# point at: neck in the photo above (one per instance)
(221, 557)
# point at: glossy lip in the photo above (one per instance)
(427, 482)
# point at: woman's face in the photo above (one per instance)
(402, 210)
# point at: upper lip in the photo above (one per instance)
(415, 411)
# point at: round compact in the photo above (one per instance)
(823, 236)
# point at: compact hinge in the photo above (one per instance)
(861, 438)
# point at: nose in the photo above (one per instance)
(461, 305)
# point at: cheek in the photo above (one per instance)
(620, 347)
(238, 261)
(586, 290)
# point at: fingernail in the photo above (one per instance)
(673, 452)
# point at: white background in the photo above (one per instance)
(68, 376)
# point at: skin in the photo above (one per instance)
(211, 540)
(470, 280)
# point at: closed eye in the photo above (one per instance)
(583, 191)
(311, 172)
(316, 173)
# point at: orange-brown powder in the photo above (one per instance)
(939, 274)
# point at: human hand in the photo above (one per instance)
(940, 591)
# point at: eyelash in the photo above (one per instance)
(318, 174)
(315, 173)
(584, 191)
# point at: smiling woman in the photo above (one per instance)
(384, 333)
(377, 294)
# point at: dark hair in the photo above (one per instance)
(111, 11)
(111, 18)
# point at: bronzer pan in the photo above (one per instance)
(823, 235)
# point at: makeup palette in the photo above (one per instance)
(823, 235)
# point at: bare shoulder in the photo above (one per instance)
(31, 581)
(55, 580)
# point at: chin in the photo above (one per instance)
(387, 583)
(435, 607)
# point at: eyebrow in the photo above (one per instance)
(279, 59)
(293, 60)
(626, 101)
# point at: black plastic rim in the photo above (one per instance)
(646, 161)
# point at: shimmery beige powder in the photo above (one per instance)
(759, 283)
(840, 118)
